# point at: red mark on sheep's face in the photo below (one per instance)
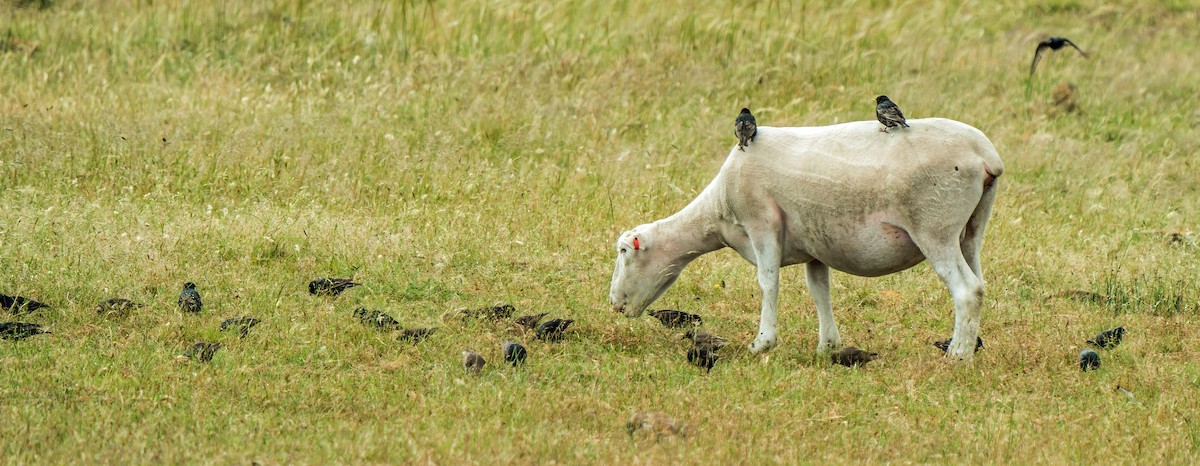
(636, 244)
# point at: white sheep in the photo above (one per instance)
(845, 196)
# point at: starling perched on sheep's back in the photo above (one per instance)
(530, 322)
(745, 128)
(944, 345)
(1052, 43)
(1109, 338)
(888, 113)
(656, 424)
(331, 286)
(1089, 360)
(554, 329)
(704, 339)
(472, 361)
(416, 335)
(202, 351)
(851, 356)
(117, 306)
(241, 324)
(377, 319)
(702, 357)
(19, 330)
(189, 299)
(19, 304)
(676, 319)
(514, 353)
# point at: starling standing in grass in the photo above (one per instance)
(703, 357)
(1089, 360)
(202, 351)
(117, 306)
(944, 345)
(1052, 43)
(1109, 338)
(19, 304)
(473, 361)
(377, 319)
(851, 356)
(745, 128)
(554, 329)
(530, 322)
(704, 339)
(416, 335)
(189, 299)
(502, 311)
(331, 286)
(676, 319)
(888, 113)
(514, 353)
(19, 330)
(241, 324)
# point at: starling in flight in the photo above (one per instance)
(1053, 43)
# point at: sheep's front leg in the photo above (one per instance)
(817, 276)
(767, 258)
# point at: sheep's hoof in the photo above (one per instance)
(829, 345)
(761, 345)
(963, 353)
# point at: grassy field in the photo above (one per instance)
(467, 153)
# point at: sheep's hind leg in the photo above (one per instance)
(816, 275)
(965, 288)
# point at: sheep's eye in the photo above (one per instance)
(622, 250)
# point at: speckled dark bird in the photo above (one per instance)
(19, 304)
(1089, 360)
(416, 335)
(1109, 338)
(117, 306)
(745, 128)
(377, 319)
(202, 351)
(19, 330)
(530, 322)
(888, 113)
(241, 324)
(514, 353)
(851, 356)
(702, 357)
(189, 298)
(704, 339)
(502, 311)
(1052, 43)
(944, 345)
(331, 286)
(472, 361)
(676, 319)
(554, 329)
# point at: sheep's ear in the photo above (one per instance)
(636, 244)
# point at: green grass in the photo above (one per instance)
(460, 154)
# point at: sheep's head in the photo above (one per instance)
(642, 273)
